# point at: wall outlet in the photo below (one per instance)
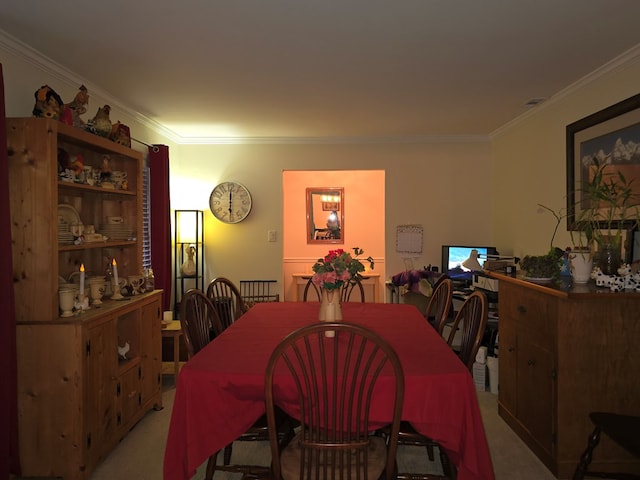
(271, 235)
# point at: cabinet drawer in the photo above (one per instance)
(533, 314)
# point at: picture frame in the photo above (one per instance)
(609, 134)
(325, 225)
(635, 246)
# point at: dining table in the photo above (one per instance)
(220, 390)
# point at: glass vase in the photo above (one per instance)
(608, 258)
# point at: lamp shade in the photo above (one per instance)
(472, 262)
(188, 226)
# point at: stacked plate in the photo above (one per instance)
(67, 216)
(120, 231)
(64, 233)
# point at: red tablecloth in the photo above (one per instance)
(220, 391)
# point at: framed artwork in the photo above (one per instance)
(612, 136)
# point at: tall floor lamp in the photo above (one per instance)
(188, 268)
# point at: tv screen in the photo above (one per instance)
(454, 255)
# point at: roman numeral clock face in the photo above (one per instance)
(230, 202)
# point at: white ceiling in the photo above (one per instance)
(327, 68)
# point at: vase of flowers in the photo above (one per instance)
(331, 273)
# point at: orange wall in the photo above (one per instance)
(364, 224)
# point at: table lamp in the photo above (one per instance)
(472, 262)
(492, 263)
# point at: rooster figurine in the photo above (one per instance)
(77, 107)
(122, 351)
(101, 123)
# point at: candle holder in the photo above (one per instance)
(96, 287)
(116, 294)
(67, 298)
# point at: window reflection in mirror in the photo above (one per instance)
(325, 215)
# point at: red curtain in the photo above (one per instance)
(9, 460)
(160, 220)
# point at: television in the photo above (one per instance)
(454, 255)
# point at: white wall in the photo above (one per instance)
(445, 187)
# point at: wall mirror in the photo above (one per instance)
(325, 215)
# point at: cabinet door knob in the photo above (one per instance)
(522, 309)
(511, 349)
(531, 363)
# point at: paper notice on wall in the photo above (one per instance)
(409, 239)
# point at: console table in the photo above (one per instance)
(566, 351)
(370, 283)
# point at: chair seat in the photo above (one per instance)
(622, 429)
(291, 460)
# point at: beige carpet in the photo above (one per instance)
(139, 456)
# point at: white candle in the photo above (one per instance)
(81, 282)
(115, 275)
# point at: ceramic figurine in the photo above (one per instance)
(48, 103)
(77, 107)
(101, 123)
(122, 351)
(120, 134)
(105, 169)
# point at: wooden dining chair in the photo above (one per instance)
(200, 325)
(335, 438)
(623, 430)
(353, 287)
(438, 311)
(199, 321)
(226, 299)
(348, 289)
(471, 319)
(309, 290)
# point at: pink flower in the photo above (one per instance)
(337, 268)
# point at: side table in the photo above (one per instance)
(174, 330)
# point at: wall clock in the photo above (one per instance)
(230, 202)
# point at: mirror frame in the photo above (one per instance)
(311, 191)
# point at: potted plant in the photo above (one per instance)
(609, 206)
(543, 267)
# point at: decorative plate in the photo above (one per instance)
(67, 214)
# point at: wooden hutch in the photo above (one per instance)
(77, 398)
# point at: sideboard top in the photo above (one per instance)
(564, 288)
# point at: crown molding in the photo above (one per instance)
(620, 62)
(335, 140)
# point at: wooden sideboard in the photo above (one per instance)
(566, 351)
(370, 283)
